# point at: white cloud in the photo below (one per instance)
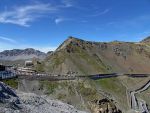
(45, 49)
(59, 20)
(67, 3)
(24, 15)
(99, 13)
(7, 39)
(105, 11)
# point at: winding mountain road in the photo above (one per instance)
(142, 106)
(139, 104)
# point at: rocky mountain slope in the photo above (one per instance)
(93, 96)
(12, 102)
(85, 57)
(146, 40)
(85, 95)
(18, 54)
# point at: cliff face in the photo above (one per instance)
(85, 57)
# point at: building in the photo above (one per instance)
(6, 68)
(28, 63)
(6, 72)
(25, 71)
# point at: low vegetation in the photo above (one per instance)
(49, 86)
(115, 88)
(11, 82)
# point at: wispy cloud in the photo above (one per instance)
(24, 15)
(132, 23)
(99, 13)
(7, 39)
(59, 20)
(67, 3)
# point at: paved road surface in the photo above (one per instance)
(138, 104)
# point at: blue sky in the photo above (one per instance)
(45, 24)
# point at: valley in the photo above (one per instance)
(94, 77)
(85, 93)
(74, 56)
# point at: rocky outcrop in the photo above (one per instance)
(18, 102)
(104, 106)
(18, 54)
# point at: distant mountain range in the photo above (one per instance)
(86, 57)
(21, 54)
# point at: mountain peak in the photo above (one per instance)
(146, 40)
(73, 38)
(68, 41)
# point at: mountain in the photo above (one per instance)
(49, 52)
(19, 54)
(86, 57)
(146, 40)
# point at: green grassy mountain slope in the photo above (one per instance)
(85, 57)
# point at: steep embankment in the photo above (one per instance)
(12, 102)
(86, 94)
(85, 57)
(82, 94)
